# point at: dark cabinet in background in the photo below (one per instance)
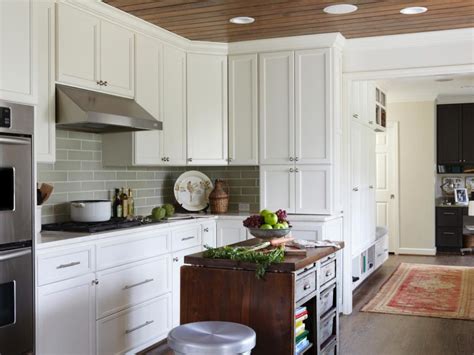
(449, 227)
(468, 133)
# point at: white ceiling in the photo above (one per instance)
(428, 88)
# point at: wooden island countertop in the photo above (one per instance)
(290, 264)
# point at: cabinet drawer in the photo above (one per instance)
(128, 249)
(449, 237)
(185, 238)
(327, 272)
(64, 265)
(449, 217)
(305, 285)
(129, 329)
(126, 286)
(328, 328)
(327, 299)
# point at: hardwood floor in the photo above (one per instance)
(385, 334)
(372, 333)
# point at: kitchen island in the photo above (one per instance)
(228, 290)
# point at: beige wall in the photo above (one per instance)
(417, 174)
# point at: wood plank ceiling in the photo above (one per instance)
(208, 20)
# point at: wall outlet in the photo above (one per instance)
(244, 207)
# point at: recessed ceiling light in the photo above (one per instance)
(413, 10)
(442, 80)
(242, 20)
(340, 9)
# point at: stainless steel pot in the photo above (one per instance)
(90, 210)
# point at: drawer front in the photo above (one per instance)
(327, 300)
(64, 265)
(449, 217)
(185, 238)
(305, 285)
(129, 329)
(328, 328)
(327, 272)
(449, 237)
(126, 286)
(123, 250)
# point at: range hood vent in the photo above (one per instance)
(89, 111)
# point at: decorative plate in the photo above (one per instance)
(192, 190)
(470, 183)
(458, 183)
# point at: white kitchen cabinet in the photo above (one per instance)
(230, 231)
(276, 82)
(94, 53)
(243, 110)
(66, 317)
(306, 230)
(207, 109)
(313, 190)
(277, 187)
(45, 117)
(209, 236)
(18, 48)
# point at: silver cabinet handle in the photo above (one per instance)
(206, 229)
(371, 122)
(371, 186)
(306, 287)
(296, 158)
(355, 189)
(163, 159)
(190, 159)
(448, 233)
(127, 287)
(291, 170)
(63, 266)
(297, 170)
(105, 83)
(167, 159)
(291, 158)
(449, 213)
(99, 82)
(355, 115)
(187, 238)
(148, 322)
(176, 259)
(95, 282)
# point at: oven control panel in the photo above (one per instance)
(5, 117)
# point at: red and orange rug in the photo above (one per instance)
(427, 290)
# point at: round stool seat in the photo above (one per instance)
(223, 338)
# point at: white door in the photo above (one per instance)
(148, 94)
(387, 183)
(313, 189)
(78, 47)
(173, 137)
(277, 119)
(230, 232)
(178, 261)
(66, 318)
(243, 110)
(207, 109)
(17, 59)
(312, 105)
(117, 59)
(277, 187)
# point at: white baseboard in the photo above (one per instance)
(416, 251)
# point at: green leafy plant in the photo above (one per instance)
(250, 255)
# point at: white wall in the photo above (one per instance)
(417, 174)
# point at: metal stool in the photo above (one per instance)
(212, 338)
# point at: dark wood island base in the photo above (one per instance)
(227, 290)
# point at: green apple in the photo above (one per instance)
(271, 218)
(263, 213)
(285, 225)
(279, 226)
(266, 226)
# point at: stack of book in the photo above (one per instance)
(301, 333)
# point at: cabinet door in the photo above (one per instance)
(312, 101)
(467, 132)
(363, 108)
(449, 145)
(45, 119)
(277, 121)
(313, 189)
(307, 230)
(17, 51)
(209, 234)
(66, 322)
(178, 261)
(148, 94)
(173, 137)
(117, 59)
(277, 188)
(243, 110)
(78, 47)
(230, 232)
(355, 100)
(207, 109)
(371, 95)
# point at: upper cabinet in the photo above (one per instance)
(94, 53)
(368, 105)
(207, 109)
(467, 132)
(243, 110)
(18, 51)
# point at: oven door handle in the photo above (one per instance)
(14, 254)
(17, 140)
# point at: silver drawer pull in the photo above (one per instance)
(187, 238)
(448, 233)
(306, 287)
(148, 322)
(206, 230)
(449, 213)
(329, 273)
(63, 266)
(138, 284)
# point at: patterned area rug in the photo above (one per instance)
(427, 290)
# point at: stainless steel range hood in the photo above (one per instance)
(89, 111)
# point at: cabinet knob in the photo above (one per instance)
(100, 82)
(291, 170)
(371, 186)
(105, 83)
(296, 159)
(297, 170)
(190, 159)
(291, 158)
(95, 282)
(163, 159)
(175, 259)
(355, 189)
(206, 230)
(355, 115)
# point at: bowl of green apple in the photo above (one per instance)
(268, 225)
